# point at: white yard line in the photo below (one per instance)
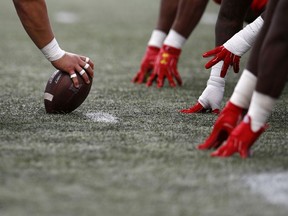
(102, 117)
(272, 186)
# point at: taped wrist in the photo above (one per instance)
(242, 41)
(216, 81)
(212, 96)
(174, 39)
(52, 51)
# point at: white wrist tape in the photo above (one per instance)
(157, 38)
(175, 39)
(242, 41)
(52, 51)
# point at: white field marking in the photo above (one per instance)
(272, 186)
(209, 18)
(102, 117)
(66, 17)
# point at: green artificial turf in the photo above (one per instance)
(145, 163)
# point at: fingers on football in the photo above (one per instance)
(74, 78)
(83, 74)
(89, 70)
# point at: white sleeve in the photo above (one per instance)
(242, 41)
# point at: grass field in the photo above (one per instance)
(142, 161)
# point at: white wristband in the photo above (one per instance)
(52, 51)
(175, 39)
(242, 41)
(157, 38)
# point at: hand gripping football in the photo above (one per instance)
(60, 94)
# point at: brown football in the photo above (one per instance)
(61, 96)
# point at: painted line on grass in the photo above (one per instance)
(66, 17)
(102, 117)
(272, 186)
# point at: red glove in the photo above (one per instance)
(220, 53)
(166, 67)
(240, 140)
(226, 122)
(198, 108)
(147, 65)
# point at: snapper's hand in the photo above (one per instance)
(147, 65)
(166, 67)
(72, 63)
(220, 53)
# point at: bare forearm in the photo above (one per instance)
(168, 10)
(188, 15)
(230, 19)
(34, 17)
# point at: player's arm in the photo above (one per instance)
(231, 51)
(34, 18)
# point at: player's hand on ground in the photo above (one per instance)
(198, 108)
(147, 65)
(166, 67)
(220, 53)
(210, 99)
(72, 64)
(240, 140)
(228, 119)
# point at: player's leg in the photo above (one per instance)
(240, 100)
(188, 15)
(167, 14)
(230, 21)
(256, 9)
(272, 67)
(271, 78)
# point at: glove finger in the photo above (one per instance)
(216, 138)
(197, 108)
(152, 77)
(211, 63)
(225, 66)
(136, 77)
(226, 150)
(144, 74)
(219, 152)
(219, 57)
(170, 77)
(212, 52)
(161, 78)
(236, 63)
(178, 77)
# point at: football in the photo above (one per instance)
(61, 96)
